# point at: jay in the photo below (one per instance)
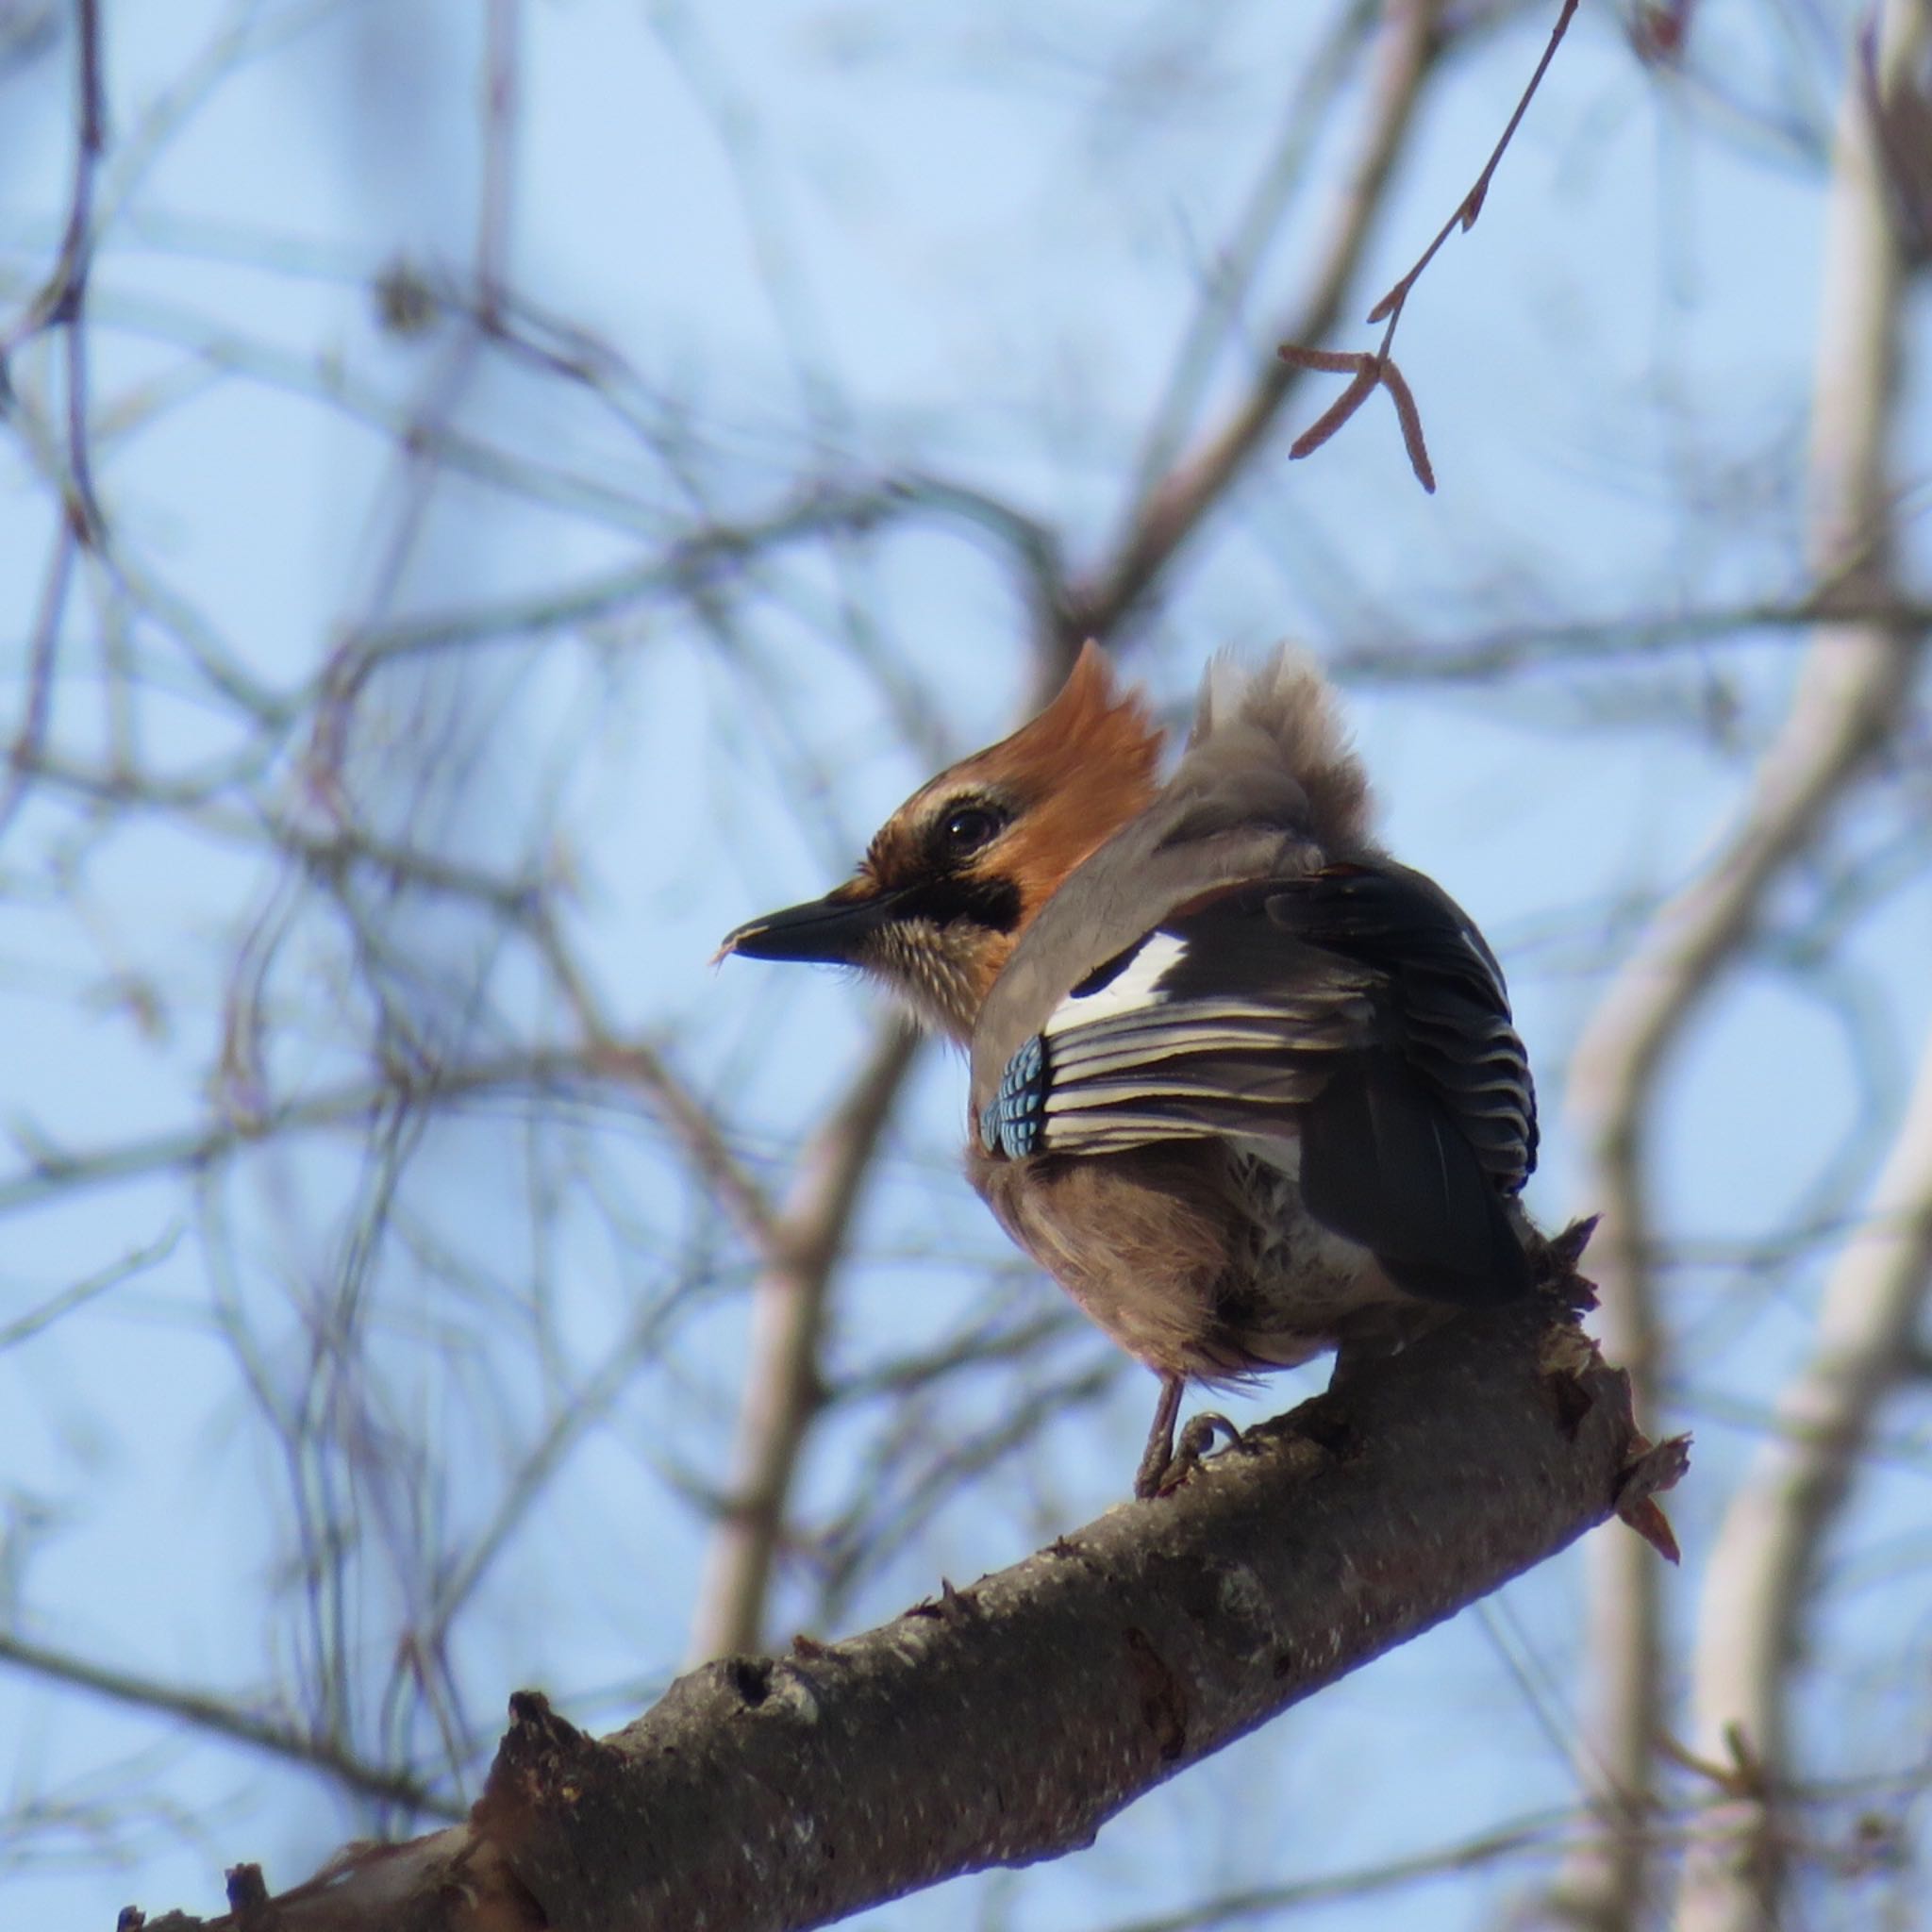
(1244, 1086)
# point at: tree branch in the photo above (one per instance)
(223, 1717)
(782, 1389)
(1371, 371)
(1169, 513)
(1004, 1723)
(1568, 646)
(1765, 1563)
(1852, 693)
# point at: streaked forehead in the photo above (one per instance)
(894, 850)
(899, 847)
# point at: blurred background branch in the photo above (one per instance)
(1852, 692)
(490, 495)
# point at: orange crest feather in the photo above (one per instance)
(1087, 765)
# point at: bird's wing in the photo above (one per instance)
(1355, 1016)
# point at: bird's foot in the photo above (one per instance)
(1197, 1437)
(1165, 1464)
(1147, 1478)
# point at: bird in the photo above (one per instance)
(1245, 1086)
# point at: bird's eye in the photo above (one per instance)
(967, 828)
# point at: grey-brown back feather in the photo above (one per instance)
(1268, 787)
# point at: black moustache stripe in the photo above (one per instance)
(961, 898)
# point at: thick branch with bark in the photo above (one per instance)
(1004, 1723)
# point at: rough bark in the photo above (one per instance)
(1004, 1723)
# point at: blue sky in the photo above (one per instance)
(834, 241)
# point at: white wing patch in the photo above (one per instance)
(1130, 991)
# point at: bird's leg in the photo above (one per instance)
(1159, 1450)
(1357, 1354)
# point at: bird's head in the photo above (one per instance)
(951, 878)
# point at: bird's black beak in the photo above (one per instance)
(830, 930)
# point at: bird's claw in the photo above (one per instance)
(1198, 1435)
(1151, 1477)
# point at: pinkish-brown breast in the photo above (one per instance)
(1195, 1259)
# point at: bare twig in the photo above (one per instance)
(77, 1295)
(1165, 515)
(1227, 281)
(690, 1121)
(50, 1172)
(782, 1390)
(1589, 642)
(61, 304)
(495, 202)
(1370, 371)
(222, 1718)
(1547, 1834)
(1390, 307)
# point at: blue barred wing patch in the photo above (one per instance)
(1013, 1122)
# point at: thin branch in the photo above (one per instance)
(680, 1111)
(69, 313)
(499, 129)
(1390, 307)
(717, 551)
(53, 1172)
(782, 1391)
(220, 1718)
(61, 304)
(1227, 281)
(1165, 516)
(1544, 1834)
(77, 1295)
(1378, 370)
(1640, 637)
